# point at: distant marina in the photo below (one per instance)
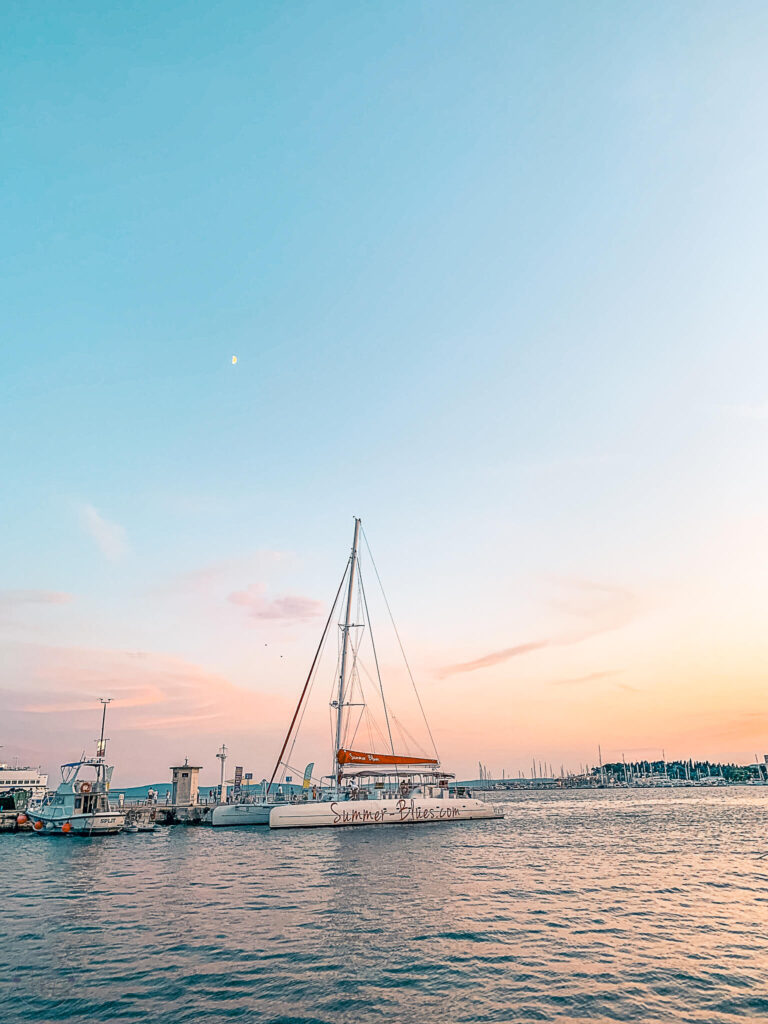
(379, 774)
(184, 801)
(368, 785)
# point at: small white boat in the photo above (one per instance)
(139, 818)
(241, 814)
(80, 806)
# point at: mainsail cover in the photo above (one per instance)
(360, 757)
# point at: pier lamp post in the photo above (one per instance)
(222, 756)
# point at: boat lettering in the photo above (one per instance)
(404, 810)
(408, 811)
(343, 816)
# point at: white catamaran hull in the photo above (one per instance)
(403, 811)
(241, 814)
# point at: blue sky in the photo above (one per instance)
(494, 277)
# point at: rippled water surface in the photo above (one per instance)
(626, 906)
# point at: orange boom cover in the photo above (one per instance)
(358, 757)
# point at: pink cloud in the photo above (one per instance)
(15, 598)
(591, 677)
(212, 577)
(598, 607)
(291, 608)
(495, 658)
(164, 708)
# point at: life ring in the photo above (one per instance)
(85, 787)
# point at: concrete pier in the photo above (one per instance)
(184, 814)
(8, 822)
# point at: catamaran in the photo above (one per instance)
(80, 806)
(364, 787)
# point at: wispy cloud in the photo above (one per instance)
(742, 724)
(19, 609)
(108, 536)
(164, 707)
(757, 411)
(495, 658)
(290, 608)
(600, 608)
(218, 575)
(16, 598)
(591, 677)
(574, 462)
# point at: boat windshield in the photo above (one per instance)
(91, 770)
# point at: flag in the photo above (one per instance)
(308, 775)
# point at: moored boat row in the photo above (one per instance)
(364, 787)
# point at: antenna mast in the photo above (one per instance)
(101, 748)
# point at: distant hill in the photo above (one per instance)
(140, 792)
(161, 788)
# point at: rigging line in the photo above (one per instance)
(370, 679)
(300, 721)
(375, 655)
(351, 742)
(311, 670)
(300, 771)
(334, 684)
(297, 730)
(400, 642)
(411, 745)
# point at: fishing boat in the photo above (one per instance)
(367, 787)
(80, 805)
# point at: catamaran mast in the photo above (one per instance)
(345, 650)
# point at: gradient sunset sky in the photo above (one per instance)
(494, 274)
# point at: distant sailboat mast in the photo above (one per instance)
(335, 771)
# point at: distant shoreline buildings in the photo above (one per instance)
(629, 774)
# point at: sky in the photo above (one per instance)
(494, 277)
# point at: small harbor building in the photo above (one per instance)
(185, 784)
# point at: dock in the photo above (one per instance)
(183, 814)
(9, 822)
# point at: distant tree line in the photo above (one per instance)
(693, 770)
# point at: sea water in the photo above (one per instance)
(578, 906)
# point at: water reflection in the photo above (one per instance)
(578, 906)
